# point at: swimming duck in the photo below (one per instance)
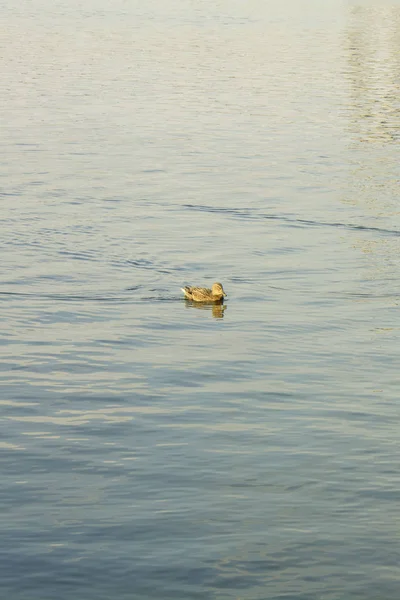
(199, 294)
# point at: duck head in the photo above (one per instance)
(218, 290)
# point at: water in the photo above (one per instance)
(152, 448)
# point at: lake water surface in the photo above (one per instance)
(156, 450)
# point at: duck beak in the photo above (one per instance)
(225, 295)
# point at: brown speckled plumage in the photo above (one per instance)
(200, 294)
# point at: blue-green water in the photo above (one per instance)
(152, 449)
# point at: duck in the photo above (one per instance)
(200, 294)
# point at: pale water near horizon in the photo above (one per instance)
(156, 449)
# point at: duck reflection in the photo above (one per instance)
(217, 309)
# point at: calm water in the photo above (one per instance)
(156, 450)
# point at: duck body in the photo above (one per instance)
(200, 294)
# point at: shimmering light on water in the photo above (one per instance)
(153, 448)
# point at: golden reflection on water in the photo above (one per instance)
(217, 310)
(373, 44)
(373, 65)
